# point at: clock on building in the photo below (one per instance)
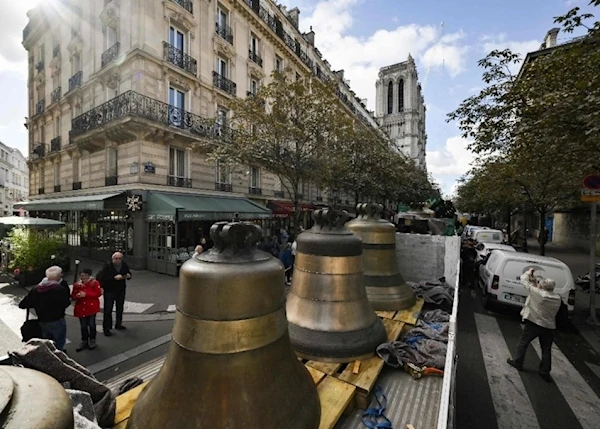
(134, 203)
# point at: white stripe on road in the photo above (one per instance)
(511, 401)
(579, 395)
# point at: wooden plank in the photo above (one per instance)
(122, 425)
(356, 367)
(335, 396)
(317, 376)
(126, 401)
(393, 328)
(327, 368)
(410, 315)
(386, 314)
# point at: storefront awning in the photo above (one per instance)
(284, 209)
(163, 206)
(83, 202)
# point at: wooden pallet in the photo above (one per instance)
(408, 316)
(341, 386)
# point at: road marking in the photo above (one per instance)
(511, 401)
(122, 357)
(579, 395)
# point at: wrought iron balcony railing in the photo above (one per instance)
(39, 66)
(55, 95)
(110, 54)
(56, 188)
(224, 84)
(40, 106)
(133, 104)
(55, 144)
(76, 186)
(75, 81)
(224, 187)
(179, 58)
(41, 191)
(186, 4)
(111, 178)
(254, 191)
(279, 194)
(180, 182)
(254, 57)
(224, 32)
(55, 51)
(39, 151)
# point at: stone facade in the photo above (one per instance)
(400, 109)
(14, 179)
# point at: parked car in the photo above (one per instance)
(488, 236)
(469, 230)
(484, 249)
(500, 278)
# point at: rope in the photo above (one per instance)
(371, 417)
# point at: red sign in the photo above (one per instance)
(592, 182)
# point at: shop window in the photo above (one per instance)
(162, 242)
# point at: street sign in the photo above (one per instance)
(590, 195)
(592, 181)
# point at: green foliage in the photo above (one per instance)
(32, 249)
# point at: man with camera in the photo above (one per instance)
(113, 279)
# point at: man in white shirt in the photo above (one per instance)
(539, 315)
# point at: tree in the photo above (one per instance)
(285, 128)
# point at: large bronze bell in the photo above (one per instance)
(385, 286)
(330, 317)
(230, 364)
(32, 399)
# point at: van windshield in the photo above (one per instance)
(557, 274)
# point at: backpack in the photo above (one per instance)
(562, 317)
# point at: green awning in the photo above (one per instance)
(84, 202)
(163, 206)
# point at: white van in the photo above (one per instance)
(469, 229)
(487, 236)
(500, 278)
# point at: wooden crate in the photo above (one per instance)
(341, 386)
(408, 316)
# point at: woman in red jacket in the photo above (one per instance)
(86, 293)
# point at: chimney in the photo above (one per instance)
(310, 36)
(339, 74)
(550, 39)
(294, 16)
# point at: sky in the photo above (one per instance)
(361, 36)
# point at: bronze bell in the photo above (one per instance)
(386, 289)
(230, 363)
(330, 317)
(32, 399)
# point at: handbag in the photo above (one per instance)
(31, 328)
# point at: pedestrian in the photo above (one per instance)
(288, 262)
(201, 247)
(468, 255)
(86, 293)
(113, 278)
(539, 315)
(50, 299)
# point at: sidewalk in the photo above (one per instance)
(578, 262)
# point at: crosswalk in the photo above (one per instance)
(517, 406)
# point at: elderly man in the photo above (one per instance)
(539, 315)
(49, 299)
(113, 279)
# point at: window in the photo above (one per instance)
(254, 177)
(223, 173)
(110, 36)
(253, 86)
(401, 95)
(222, 16)
(55, 81)
(390, 98)
(278, 64)
(222, 67)
(177, 106)
(177, 167)
(76, 64)
(176, 38)
(222, 115)
(254, 43)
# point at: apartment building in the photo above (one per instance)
(120, 90)
(14, 179)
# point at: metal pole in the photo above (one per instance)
(592, 320)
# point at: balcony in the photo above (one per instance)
(224, 84)
(55, 51)
(255, 58)
(223, 187)
(39, 67)
(279, 194)
(254, 191)
(41, 191)
(224, 32)
(76, 186)
(39, 151)
(131, 105)
(111, 178)
(186, 4)
(179, 58)
(180, 182)
(55, 95)
(75, 81)
(55, 144)
(56, 188)
(110, 54)
(318, 198)
(40, 106)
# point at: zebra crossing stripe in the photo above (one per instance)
(511, 401)
(583, 401)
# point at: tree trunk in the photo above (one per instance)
(508, 227)
(542, 233)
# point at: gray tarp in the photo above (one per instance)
(438, 292)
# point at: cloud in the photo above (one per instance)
(362, 57)
(450, 162)
(13, 57)
(499, 42)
